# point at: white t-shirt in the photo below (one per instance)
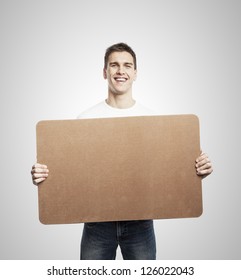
(103, 110)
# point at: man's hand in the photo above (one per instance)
(39, 173)
(203, 165)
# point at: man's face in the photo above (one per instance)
(120, 72)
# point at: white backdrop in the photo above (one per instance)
(51, 60)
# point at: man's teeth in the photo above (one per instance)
(120, 79)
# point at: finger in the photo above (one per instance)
(40, 175)
(39, 170)
(201, 157)
(39, 180)
(205, 172)
(207, 165)
(203, 162)
(39, 165)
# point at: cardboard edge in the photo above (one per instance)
(42, 221)
(40, 216)
(201, 213)
(196, 118)
(39, 123)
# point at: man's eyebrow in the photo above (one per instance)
(115, 62)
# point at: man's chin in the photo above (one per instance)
(119, 92)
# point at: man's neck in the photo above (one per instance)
(120, 101)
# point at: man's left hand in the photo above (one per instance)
(203, 165)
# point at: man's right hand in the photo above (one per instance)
(39, 173)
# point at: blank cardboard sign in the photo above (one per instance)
(115, 169)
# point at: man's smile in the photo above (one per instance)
(120, 79)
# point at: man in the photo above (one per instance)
(135, 238)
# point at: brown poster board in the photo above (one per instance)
(115, 169)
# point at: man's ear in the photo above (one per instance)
(104, 74)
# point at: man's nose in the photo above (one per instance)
(120, 70)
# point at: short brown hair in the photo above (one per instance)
(120, 47)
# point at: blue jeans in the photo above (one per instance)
(135, 238)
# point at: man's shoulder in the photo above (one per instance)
(143, 110)
(93, 111)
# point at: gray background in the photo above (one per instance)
(51, 61)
